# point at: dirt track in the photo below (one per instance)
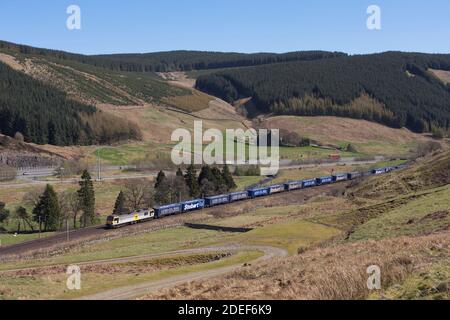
(134, 291)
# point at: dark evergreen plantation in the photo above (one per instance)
(44, 114)
(408, 94)
(173, 60)
(392, 88)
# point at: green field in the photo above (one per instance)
(429, 213)
(11, 238)
(53, 286)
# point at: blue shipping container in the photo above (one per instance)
(294, 185)
(193, 205)
(167, 210)
(379, 171)
(308, 183)
(340, 177)
(276, 188)
(324, 180)
(353, 175)
(216, 200)
(236, 196)
(253, 193)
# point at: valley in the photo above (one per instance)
(311, 243)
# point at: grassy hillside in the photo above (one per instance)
(44, 114)
(93, 85)
(402, 91)
(367, 137)
(428, 173)
(404, 232)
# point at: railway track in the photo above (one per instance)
(55, 242)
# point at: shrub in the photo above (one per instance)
(351, 148)
(438, 133)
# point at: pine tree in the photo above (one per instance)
(207, 181)
(163, 192)
(191, 181)
(160, 179)
(4, 214)
(119, 206)
(219, 182)
(207, 188)
(47, 211)
(205, 173)
(86, 194)
(228, 178)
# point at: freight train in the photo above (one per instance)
(115, 221)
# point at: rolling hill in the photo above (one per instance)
(181, 60)
(393, 88)
(404, 232)
(44, 114)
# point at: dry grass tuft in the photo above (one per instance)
(336, 272)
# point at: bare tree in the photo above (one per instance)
(32, 197)
(178, 188)
(138, 193)
(24, 218)
(70, 205)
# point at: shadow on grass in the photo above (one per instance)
(217, 228)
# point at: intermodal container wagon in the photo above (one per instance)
(353, 175)
(293, 185)
(340, 177)
(276, 188)
(168, 210)
(237, 196)
(324, 180)
(379, 171)
(308, 183)
(216, 200)
(193, 205)
(253, 193)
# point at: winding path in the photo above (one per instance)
(134, 291)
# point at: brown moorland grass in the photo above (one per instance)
(335, 272)
(443, 75)
(369, 137)
(196, 101)
(430, 172)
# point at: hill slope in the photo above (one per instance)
(172, 60)
(44, 114)
(366, 137)
(406, 236)
(401, 89)
(93, 85)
